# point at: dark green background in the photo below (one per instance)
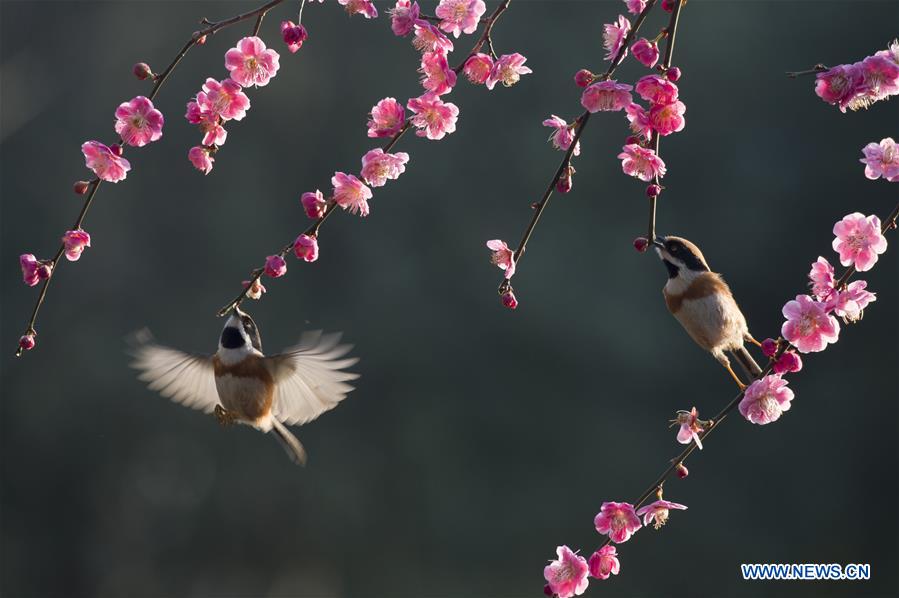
(478, 438)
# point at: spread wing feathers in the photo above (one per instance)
(182, 377)
(309, 378)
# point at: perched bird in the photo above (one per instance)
(241, 384)
(703, 304)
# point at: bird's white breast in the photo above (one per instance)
(714, 321)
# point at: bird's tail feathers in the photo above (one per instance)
(291, 443)
(747, 362)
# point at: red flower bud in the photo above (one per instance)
(653, 190)
(583, 78)
(80, 187)
(142, 71)
(641, 244)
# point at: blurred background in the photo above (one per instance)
(478, 439)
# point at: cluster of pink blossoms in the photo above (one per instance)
(881, 160)
(250, 63)
(569, 574)
(860, 84)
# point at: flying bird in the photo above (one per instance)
(240, 384)
(704, 305)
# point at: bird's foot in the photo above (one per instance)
(225, 417)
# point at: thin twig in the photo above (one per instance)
(818, 68)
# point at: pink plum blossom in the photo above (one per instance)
(607, 96)
(30, 266)
(502, 256)
(201, 158)
(403, 17)
(808, 327)
(377, 166)
(208, 122)
(639, 119)
(359, 7)
(350, 193)
(255, 289)
(666, 119)
(839, 85)
(618, 520)
(788, 363)
(822, 279)
(306, 248)
(880, 79)
(645, 52)
(275, 266)
(635, 7)
(75, 241)
(859, 241)
(478, 67)
(881, 160)
(641, 162)
(250, 63)
(657, 512)
(850, 303)
(432, 117)
(138, 122)
(460, 16)
(613, 37)
(764, 400)
(507, 70)
(387, 118)
(436, 74)
(657, 90)
(690, 427)
(430, 39)
(106, 164)
(567, 575)
(604, 562)
(314, 204)
(225, 100)
(293, 35)
(563, 135)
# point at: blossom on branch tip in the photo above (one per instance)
(645, 52)
(859, 241)
(201, 158)
(503, 257)
(567, 575)
(788, 363)
(436, 74)
(460, 16)
(377, 166)
(403, 17)
(607, 96)
(350, 193)
(293, 35)
(387, 118)
(613, 37)
(478, 67)
(138, 122)
(255, 289)
(657, 90)
(657, 512)
(507, 70)
(314, 204)
(563, 134)
(432, 117)
(430, 39)
(641, 162)
(881, 160)
(306, 248)
(604, 562)
(618, 520)
(104, 162)
(75, 241)
(765, 400)
(666, 119)
(251, 63)
(362, 7)
(808, 327)
(275, 266)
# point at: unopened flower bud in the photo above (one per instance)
(142, 71)
(548, 591)
(630, 139)
(682, 471)
(769, 347)
(641, 244)
(566, 180)
(509, 299)
(44, 271)
(116, 149)
(80, 187)
(26, 343)
(653, 190)
(789, 362)
(275, 266)
(673, 74)
(201, 39)
(583, 78)
(668, 5)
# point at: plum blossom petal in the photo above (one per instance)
(251, 63)
(377, 166)
(430, 39)
(460, 16)
(436, 74)
(350, 193)
(359, 7)
(387, 118)
(618, 520)
(641, 162)
(106, 164)
(507, 70)
(138, 122)
(765, 400)
(567, 575)
(881, 160)
(607, 96)
(314, 204)
(432, 117)
(657, 512)
(822, 279)
(563, 135)
(645, 52)
(306, 248)
(604, 562)
(850, 304)
(657, 90)
(293, 35)
(502, 256)
(809, 327)
(859, 241)
(75, 241)
(613, 37)
(478, 68)
(666, 119)
(201, 158)
(403, 17)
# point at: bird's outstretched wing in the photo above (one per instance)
(309, 378)
(182, 377)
